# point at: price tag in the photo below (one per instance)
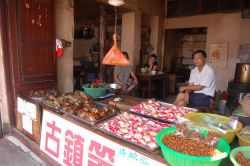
(31, 110)
(27, 123)
(20, 105)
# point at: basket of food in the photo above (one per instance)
(95, 89)
(200, 148)
(240, 156)
(244, 136)
(227, 124)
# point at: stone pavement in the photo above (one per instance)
(14, 153)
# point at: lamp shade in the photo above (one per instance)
(114, 56)
(116, 2)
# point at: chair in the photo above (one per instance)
(144, 91)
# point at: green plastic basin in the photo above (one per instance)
(177, 158)
(244, 149)
(95, 92)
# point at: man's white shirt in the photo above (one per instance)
(206, 78)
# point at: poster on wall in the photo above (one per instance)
(218, 55)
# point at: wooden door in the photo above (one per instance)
(36, 55)
(32, 43)
(29, 42)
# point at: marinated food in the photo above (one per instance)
(191, 142)
(242, 160)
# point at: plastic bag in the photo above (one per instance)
(181, 130)
(195, 135)
(201, 125)
(224, 125)
(185, 131)
(211, 139)
(115, 56)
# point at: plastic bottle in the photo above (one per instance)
(218, 96)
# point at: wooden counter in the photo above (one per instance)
(84, 129)
(155, 154)
(61, 122)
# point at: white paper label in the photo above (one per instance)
(31, 110)
(27, 123)
(20, 105)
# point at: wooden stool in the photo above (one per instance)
(210, 109)
(205, 109)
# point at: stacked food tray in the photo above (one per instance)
(100, 113)
(160, 111)
(78, 106)
(134, 128)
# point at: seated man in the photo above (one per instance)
(124, 76)
(201, 85)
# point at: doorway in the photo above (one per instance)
(179, 47)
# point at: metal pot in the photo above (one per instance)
(242, 73)
(114, 88)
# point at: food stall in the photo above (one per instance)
(119, 130)
(62, 132)
(74, 129)
(66, 135)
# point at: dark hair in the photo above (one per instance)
(203, 53)
(153, 55)
(126, 55)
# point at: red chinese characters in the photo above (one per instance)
(100, 155)
(52, 140)
(73, 149)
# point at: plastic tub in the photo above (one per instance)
(243, 141)
(229, 137)
(244, 149)
(95, 92)
(177, 158)
(245, 104)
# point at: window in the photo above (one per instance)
(209, 6)
(189, 7)
(174, 8)
(194, 7)
(227, 5)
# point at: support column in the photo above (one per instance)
(7, 117)
(102, 37)
(157, 37)
(64, 30)
(5, 123)
(131, 36)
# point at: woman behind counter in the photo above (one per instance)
(152, 63)
(124, 76)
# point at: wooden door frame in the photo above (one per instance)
(7, 47)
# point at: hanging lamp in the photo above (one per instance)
(115, 56)
(116, 2)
